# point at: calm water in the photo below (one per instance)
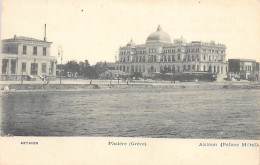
(182, 113)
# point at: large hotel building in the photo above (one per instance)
(159, 53)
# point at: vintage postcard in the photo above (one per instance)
(130, 82)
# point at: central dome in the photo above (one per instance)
(158, 37)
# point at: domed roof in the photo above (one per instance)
(158, 37)
(131, 43)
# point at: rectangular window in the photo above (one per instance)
(34, 68)
(179, 56)
(13, 66)
(5, 64)
(23, 67)
(44, 51)
(35, 50)
(43, 67)
(24, 49)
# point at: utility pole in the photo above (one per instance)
(60, 53)
(117, 61)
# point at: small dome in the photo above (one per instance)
(158, 37)
(131, 43)
(180, 41)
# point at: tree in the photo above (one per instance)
(137, 75)
(71, 67)
(101, 67)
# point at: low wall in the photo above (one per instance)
(164, 86)
(182, 86)
(48, 86)
(125, 86)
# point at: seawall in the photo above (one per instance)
(215, 86)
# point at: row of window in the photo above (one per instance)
(34, 50)
(34, 68)
(139, 52)
(171, 50)
(169, 58)
(193, 50)
(151, 58)
(173, 69)
(247, 68)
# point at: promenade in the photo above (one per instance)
(81, 84)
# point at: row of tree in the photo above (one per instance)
(83, 69)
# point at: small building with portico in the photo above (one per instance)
(27, 57)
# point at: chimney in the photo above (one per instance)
(45, 33)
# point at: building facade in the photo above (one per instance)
(160, 54)
(26, 56)
(246, 69)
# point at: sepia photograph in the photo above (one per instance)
(131, 69)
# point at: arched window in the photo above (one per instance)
(152, 69)
(169, 67)
(210, 68)
(173, 58)
(161, 69)
(204, 68)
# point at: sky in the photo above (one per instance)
(94, 30)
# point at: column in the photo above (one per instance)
(9, 67)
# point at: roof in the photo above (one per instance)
(23, 38)
(241, 59)
(131, 43)
(158, 36)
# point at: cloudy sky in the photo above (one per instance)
(94, 30)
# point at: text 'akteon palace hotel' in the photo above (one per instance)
(160, 54)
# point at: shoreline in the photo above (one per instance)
(145, 86)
